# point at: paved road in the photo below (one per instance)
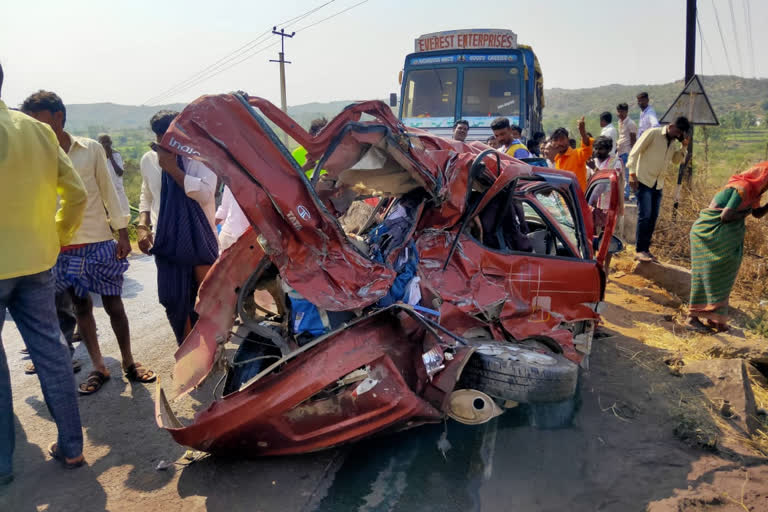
(503, 465)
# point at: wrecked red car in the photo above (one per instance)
(415, 278)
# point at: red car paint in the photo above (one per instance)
(288, 408)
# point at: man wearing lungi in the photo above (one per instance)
(93, 262)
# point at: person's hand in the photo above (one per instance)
(146, 240)
(633, 182)
(123, 245)
(591, 163)
(580, 125)
(685, 142)
(166, 159)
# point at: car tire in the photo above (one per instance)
(510, 372)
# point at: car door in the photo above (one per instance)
(603, 204)
(538, 290)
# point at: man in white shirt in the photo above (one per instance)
(603, 160)
(177, 225)
(93, 262)
(648, 117)
(627, 139)
(608, 130)
(233, 220)
(116, 169)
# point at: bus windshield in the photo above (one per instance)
(430, 93)
(491, 92)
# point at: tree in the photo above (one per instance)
(765, 106)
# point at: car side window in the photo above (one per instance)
(558, 208)
(544, 240)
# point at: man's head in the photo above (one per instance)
(642, 100)
(493, 142)
(1, 79)
(560, 140)
(161, 121)
(105, 140)
(622, 110)
(46, 107)
(605, 119)
(516, 132)
(534, 146)
(679, 129)
(317, 125)
(460, 130)
(602, 147)
(501, 131)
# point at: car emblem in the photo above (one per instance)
(303, 213)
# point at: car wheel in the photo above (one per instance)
(510, 372)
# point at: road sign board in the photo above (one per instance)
(693, 104)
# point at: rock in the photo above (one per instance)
(674, 279)
(725, 384)
(628, 229)
(727, 346)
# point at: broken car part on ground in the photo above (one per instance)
(418, 278)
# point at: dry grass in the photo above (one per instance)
(671, 238)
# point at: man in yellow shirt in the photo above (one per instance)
(33, 171)
(650, 157)
(573, 160)
(93, 262)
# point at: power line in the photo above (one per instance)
(750, 40)
(736, 37)
(332, 16)
(235, 54)
(722, 39)
(220, 71)
(706, 48)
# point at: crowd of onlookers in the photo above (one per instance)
(63, 200)
(65, 214)
(639, 153)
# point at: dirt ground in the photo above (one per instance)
(643, 439)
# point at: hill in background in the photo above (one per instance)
(728, 94)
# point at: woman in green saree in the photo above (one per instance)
(717, 246)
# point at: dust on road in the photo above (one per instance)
(620, 455)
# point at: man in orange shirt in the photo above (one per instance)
(573, 160)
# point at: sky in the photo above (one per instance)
(134, 52)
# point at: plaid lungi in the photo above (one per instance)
(92, 268)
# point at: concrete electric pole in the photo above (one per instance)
(281, 60)
(690, 70)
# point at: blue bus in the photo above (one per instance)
(475, 75)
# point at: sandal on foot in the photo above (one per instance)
(137, 373)
(718, 327)
(95, 380)
(695, 325)
(30, 368)
(53, 451)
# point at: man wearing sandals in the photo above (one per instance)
(33, 171)
(93, 262)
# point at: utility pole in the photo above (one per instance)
(283, 62)
(690, 70)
